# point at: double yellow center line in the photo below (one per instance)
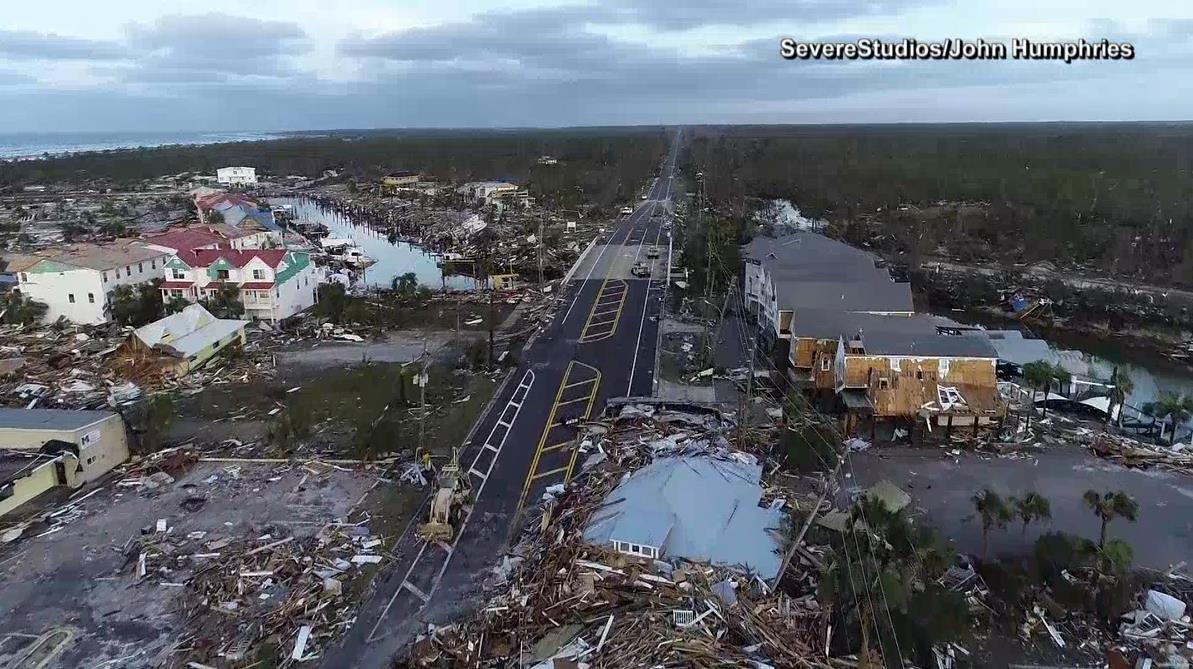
(557, 449)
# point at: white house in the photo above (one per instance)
(806, 270)
(489, 190)
(237, 176)
(77, 282)
(274, 284)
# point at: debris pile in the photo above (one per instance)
(558, 598)
(1160, 629)
(276, 588)
(1135, 454)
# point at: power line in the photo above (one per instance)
(845, 455)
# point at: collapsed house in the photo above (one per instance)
(574, 594)
(695, 507)
(47, 448)
(186, 340)
(876, 368)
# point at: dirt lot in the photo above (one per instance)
(77, 582)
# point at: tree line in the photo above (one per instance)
(1114, 198)
(597, 165)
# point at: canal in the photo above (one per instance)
(393, 258)
(1096, 358)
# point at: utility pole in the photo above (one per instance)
(744, 416)
(422, 399)
(707, 244)
(542, 223)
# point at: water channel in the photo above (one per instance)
(393, 258)
(1095, 358)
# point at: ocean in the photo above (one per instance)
(28, 146)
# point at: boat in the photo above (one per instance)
(345, 250)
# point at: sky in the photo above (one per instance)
(277, 65)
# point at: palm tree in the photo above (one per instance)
(1176, 408)
(1032, 506)
(1120, 386)
(1037, 374)
(1108, 506)
(994, 512)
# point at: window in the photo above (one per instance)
(222, 274)
(216, 345)
(71, 298)
(91, 298)
(824, 363)
(25, 277)
(128, 270)
(883, 383)
(176, 293)
(179, 274)
(104, 275)
(153, 264)
(259, 274)
(140, 268)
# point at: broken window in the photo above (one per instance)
(949, 396)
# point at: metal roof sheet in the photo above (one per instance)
(704, 509)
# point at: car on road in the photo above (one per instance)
(626, 211)
(652, 252)
(644, 196)
(640, 269)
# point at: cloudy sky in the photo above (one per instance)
(268, 65)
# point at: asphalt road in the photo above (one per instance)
(600, 345)
(941, 487)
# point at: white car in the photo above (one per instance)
(626, 211)
(643, 196)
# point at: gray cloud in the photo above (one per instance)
(687, 14)
(554, 67)
(24, 44)
(9, 78)
(177, 47)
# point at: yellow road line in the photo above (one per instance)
(551, 473)
(587, 337)
(578, 399)
(550, 425)
(556, 447)
(576, 451)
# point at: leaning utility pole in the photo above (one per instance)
(744, 415)
(422, 399)
(542, 223)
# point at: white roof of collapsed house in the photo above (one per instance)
(49, 419)
(188, 331)
(696, 507)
